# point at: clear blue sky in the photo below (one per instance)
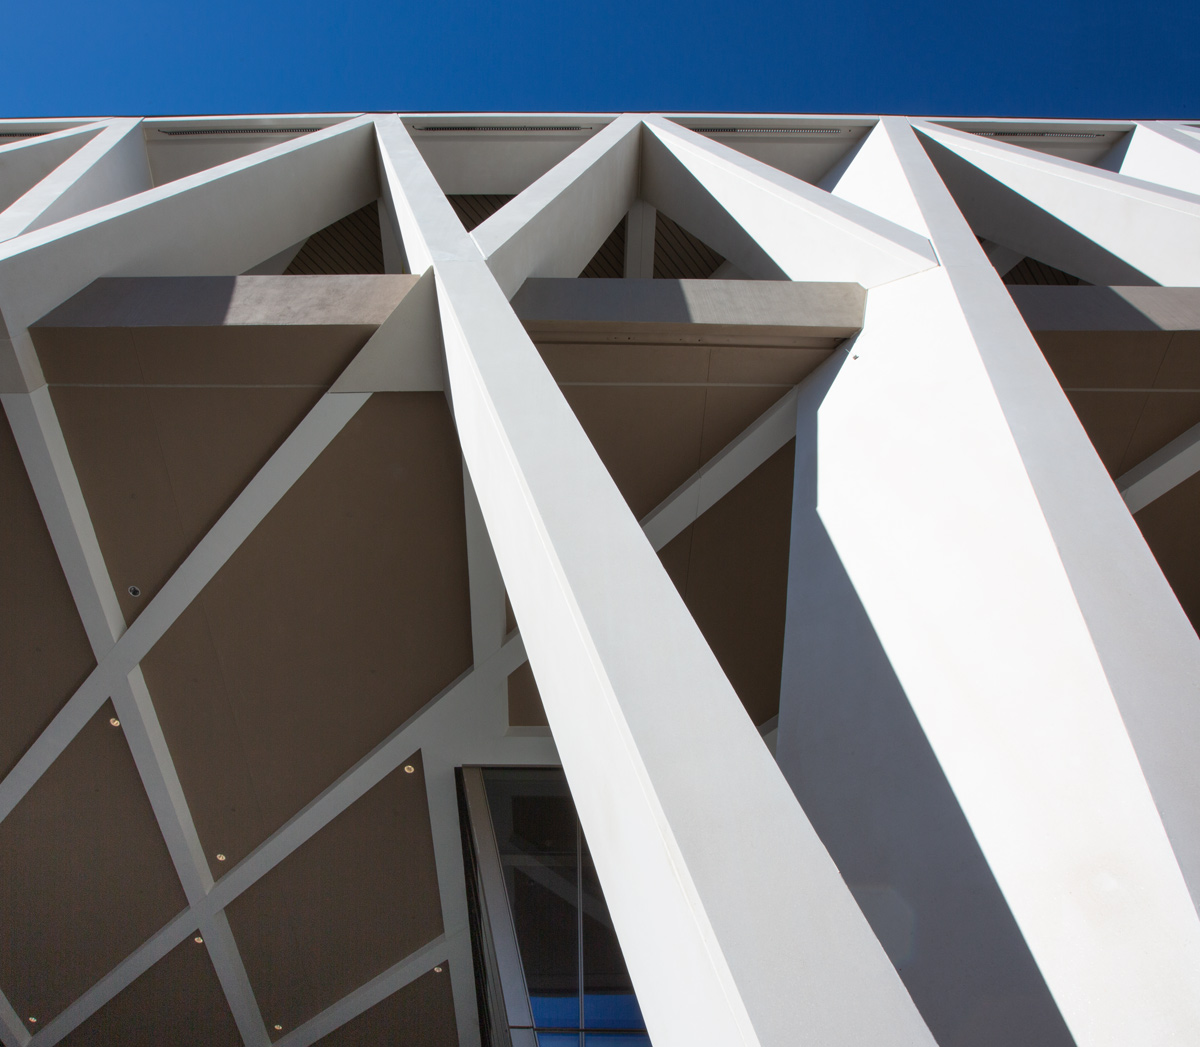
(1139, 58)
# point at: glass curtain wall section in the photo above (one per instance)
(549, 968)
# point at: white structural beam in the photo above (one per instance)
(723, 472)
(1168, 467)
(995, 600)
(1160, 154)
(1102, 227)
(808, 234)
(110, 167)
(553, 227)
(218, 222)
(639, 241)
(25, 163)
(736, 929)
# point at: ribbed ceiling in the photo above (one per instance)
(352, 245)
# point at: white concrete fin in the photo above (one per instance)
(640, 226)
(1168, 467)
(110, 167)
(871, 178)
(1163, 156)
(25, 163)
(438, 235)
(808, 233)
(1150, 233)
(218, 222)
(555, 226)
(405, 353)
(12, 1030)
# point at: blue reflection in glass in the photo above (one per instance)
(555, 1012)
(615, 1010)
(559, 1039)
(616, 1039)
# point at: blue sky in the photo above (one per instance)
(1047, 58)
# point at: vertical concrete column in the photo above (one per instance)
(735, 924)
(639, 241)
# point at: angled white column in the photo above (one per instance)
(1004, 578)
(639, 241)
(736, 927)
(1168, 467)
(25, 163)
(554, 226)
(110, 167)
(218, 222)
(1103, 227)
(808, 234)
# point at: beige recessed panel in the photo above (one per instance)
(1169, 525)
(44, 652)
(735, 580)
(178, 1001)
(85, 877)
(421, 1015)
(357, 898)
(731, 569)
(158, 466)
(344, 612)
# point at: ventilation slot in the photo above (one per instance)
(240, 131)
(505, 127)
(768, 130)
(1039, 134)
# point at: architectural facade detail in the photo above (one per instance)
(839, 547)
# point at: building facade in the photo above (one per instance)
(819, 493)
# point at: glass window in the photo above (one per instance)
(545, 924)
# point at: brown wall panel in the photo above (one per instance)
(44, 652)
(357, 898)
(85, 877)
(178, 1001)
(419, 1015)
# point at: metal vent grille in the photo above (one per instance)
(1039, 134)
(22, 134)
(768, 130)
(239, 131)
(503, 127)
(352, 245)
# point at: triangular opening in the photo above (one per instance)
(806, 149)
(496, 156)
(473, 209)
(678, 255)
(609, 261)
(352, 245)
(1031, 271)
(181, 147)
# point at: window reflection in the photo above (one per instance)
(578, 988)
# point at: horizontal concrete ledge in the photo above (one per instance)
(1086, 308)
(704, 310)
(226, 301)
